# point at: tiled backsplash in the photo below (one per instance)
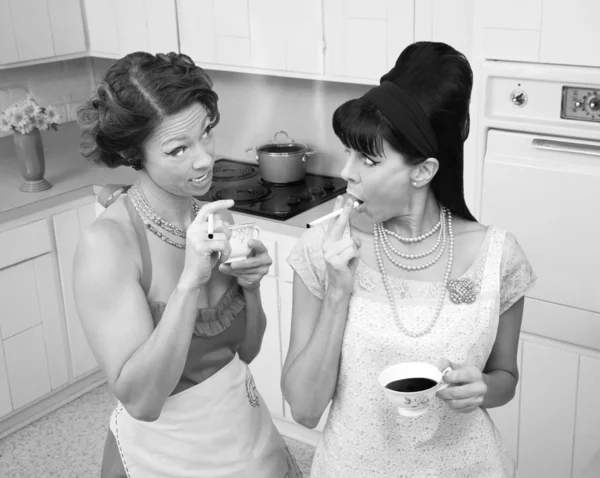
(63, 84)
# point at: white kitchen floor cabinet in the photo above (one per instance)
(68, 226)
(44, 360)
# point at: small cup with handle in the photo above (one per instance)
(411, 386)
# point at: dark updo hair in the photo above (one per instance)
(137, 92)
(440, 80)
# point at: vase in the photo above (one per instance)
(30, 153)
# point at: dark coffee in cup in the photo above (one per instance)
(410, 385)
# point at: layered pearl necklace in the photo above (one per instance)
(381, 240)
(150, 216)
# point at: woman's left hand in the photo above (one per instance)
(467, 388)
(249, 272)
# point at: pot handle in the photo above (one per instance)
(308, 154)
(281, 132)
(253, 150)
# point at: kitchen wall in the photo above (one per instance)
(254, 107)
(63, 85)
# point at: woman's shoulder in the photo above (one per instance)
(111, 233)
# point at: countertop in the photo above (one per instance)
(72, 176)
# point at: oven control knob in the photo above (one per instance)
(518, 98)
(328, 186)
(293, 200)
(305, 195)
(592, 105)
(316, 191)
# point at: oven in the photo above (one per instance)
(538, 175)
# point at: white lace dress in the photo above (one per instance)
(364, 436)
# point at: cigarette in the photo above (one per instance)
(211, 226)
(331, 215)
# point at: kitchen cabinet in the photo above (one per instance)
(266, 367)
(545, 31)
(506, 417)
(33, 30)
(364, 38)
(116, 28)
(33, 360)
(68, 226)
(260, 36)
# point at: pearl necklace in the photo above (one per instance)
(148, 216)
(385, 243)
(420, 238)
(388, 287)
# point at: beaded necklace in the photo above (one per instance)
(149, 216)
(379, 234)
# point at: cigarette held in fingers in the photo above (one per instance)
(331, 215)
(211, 225)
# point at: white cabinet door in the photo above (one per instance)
(266, 367)
(506, 418)
(117, 28)
(587, 426)
(32, 29)
(102, 27)
(304, 39)
(66, 21)
(67, 228)
(268, 33)
(131, 23)
(31, 315)
(569, 32)
(161, 16)
(364, 38)
(197, 37)
(5, 398)
(8, 43)
(512, 29)
(548, 405)
(27, 366)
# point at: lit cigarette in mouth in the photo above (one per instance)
(211, 225)
(331, 215)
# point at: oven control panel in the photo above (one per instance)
(581, 104)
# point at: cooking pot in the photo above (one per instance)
(282, 162)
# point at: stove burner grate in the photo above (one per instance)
(245, 195)
(233, 173)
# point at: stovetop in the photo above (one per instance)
(243, 183)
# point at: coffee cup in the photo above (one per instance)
(411, 386)
(240, 235)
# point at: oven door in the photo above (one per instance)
(546, 191)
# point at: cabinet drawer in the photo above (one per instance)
(25, 242)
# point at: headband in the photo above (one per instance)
(406, 115)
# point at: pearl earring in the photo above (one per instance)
(414, 183)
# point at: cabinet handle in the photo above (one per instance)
(566, 147)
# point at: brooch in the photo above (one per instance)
(462, 291)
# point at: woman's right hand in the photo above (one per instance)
(341, 253)
(202, 253)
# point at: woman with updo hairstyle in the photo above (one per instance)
(407, 275)
(172, 326)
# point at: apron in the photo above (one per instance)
(220, 428)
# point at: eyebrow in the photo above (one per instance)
(182, 137)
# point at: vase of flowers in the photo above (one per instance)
(26, 119)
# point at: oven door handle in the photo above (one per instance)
(565, 147)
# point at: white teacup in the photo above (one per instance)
(416, 399)
(240, 235)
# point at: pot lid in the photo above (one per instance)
(281, 148)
